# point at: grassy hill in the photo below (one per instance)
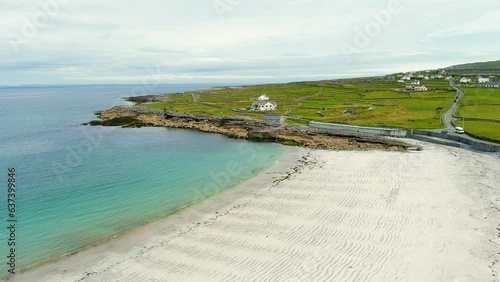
(485, 68)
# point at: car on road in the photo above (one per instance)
(459, 130)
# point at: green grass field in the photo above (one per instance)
(486, 129)
(480, 103)
(374, 101)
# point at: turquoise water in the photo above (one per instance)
(77, 185)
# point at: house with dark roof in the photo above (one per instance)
(493, 84)
(274, 119)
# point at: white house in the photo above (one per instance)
(416, 82)
(264, 106)
(422, 88)
(406, 77)
(401, 81)
(484, 79)
(264, 97)
(426, 77)
(465, 80)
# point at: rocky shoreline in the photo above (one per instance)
(246, 128)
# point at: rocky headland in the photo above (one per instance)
(246, 128)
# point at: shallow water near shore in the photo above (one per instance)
(78, 185)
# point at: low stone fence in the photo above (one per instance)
(476, 145)
(439, 141)
(476, 119)
(360, 130)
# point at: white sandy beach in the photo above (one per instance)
(344, 216)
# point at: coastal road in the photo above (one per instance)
(448, 117)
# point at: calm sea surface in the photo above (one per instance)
(77, 185)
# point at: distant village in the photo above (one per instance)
(414, 80)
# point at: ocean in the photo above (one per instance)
(77, 185)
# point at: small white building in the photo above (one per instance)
(484, 79)
(416, 82)
(264, 97)
(406, 77)
(426, 77)
(465, 80)
(264, 106)
(275, 119)
(401, 81)
(422, 88)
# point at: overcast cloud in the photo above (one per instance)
(238, 41)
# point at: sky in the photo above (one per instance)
(238, 41)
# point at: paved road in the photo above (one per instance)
(448, 117)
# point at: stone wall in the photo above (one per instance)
(360, 130)
(476, 145)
